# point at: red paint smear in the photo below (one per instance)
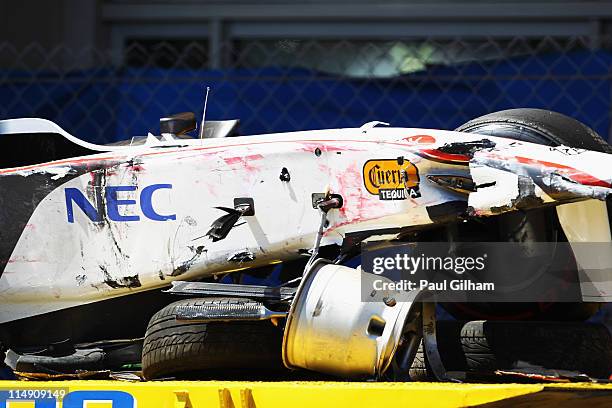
(212, 190)
(324, 169)
(308, 146)
(233, 160)
(575, 174)
(246, 162)
(436, 154)
(349, 183)
(420, 139)
(23, 260)
(243, 159)
(356, 205)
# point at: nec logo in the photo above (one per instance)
(113, 204)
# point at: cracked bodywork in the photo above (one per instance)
(60, 250)
(524, 176)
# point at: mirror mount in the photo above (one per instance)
(178, 124)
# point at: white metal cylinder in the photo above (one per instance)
(332, 330)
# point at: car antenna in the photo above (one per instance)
(204, 113)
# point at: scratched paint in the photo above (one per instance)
(205, 174)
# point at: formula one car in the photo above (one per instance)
(91, 234)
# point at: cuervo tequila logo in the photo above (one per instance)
(391, 179)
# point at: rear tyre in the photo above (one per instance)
(586, 348)
(178, 348)
(546, 128)
(485, 346)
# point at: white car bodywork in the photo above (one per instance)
(135, 218)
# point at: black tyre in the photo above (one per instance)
(420, 369)
(174, 347)
(485, 346)
(447, 337)
(537, 126)
(586, 348)
(547, 128)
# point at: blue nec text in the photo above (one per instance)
(111, 204)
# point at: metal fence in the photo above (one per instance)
(284, 85)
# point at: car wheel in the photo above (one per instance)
(482, 347)
(181, 348)
(581, 347)
(547, 128)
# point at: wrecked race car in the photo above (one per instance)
(92, 236)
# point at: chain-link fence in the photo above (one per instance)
(284, 85)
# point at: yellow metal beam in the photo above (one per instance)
(241, 394)
(228, 394)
